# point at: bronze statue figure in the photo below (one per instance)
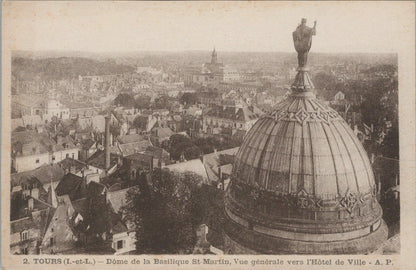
(302, 38)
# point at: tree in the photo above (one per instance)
(162, 102)
(325, 84)
(165, 212)
(143, 102)
(390, 144)
(125, 100)
(380, 104)
(180, 144)
(207, 145)
(189, 98)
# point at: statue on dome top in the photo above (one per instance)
(302, 38)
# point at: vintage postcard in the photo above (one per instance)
(235, 135)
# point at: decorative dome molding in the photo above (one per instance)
(301, 181)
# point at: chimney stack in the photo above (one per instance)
(30, 204)
(107, 142)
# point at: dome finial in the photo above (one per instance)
(302, 39)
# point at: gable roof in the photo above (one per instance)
(44, 174)
(87, 144)
(214, 160)
(95, 189)
(118, 198)
(71, 185)
(98, 159)
(69, 163)
(195, 166)
(157, 152)
(135, 147)
(81, 206)
(131, 138)
(118, 227)
(233, 113)
(162, 132)
(21, 225)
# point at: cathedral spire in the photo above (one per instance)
(214, 56)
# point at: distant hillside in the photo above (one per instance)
(64, 68)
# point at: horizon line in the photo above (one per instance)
(191, 50)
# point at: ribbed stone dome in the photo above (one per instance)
(304, 147)
(302, 183)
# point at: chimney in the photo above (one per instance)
(107, 142)
(30, 203)
(34, 193)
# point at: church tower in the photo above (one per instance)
(214, 59)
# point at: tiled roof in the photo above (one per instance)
(95, 189)
(135, 147)
(119, 227)
(213, 161)
(69, 163)
(162, 132)
(140, 157)
(98, 159)
(29, 143)
(194, 166)
(71, 185)
(233, 113)
(19, 205)
(118, 198)
(29, 100)
(81, 206)
(156, 152)
(87, 144)
(44, 174)
(130, 138)
(21, 225)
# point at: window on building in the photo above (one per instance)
(51, 241)
(53, 158)
(120, 244)
(73, 155)
(24, 236)
(25, 250)
(67, 155)
(37, 161)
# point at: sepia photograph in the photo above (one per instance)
(207, 128)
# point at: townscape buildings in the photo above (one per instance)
(79, 144)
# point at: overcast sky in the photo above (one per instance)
(243, 26)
